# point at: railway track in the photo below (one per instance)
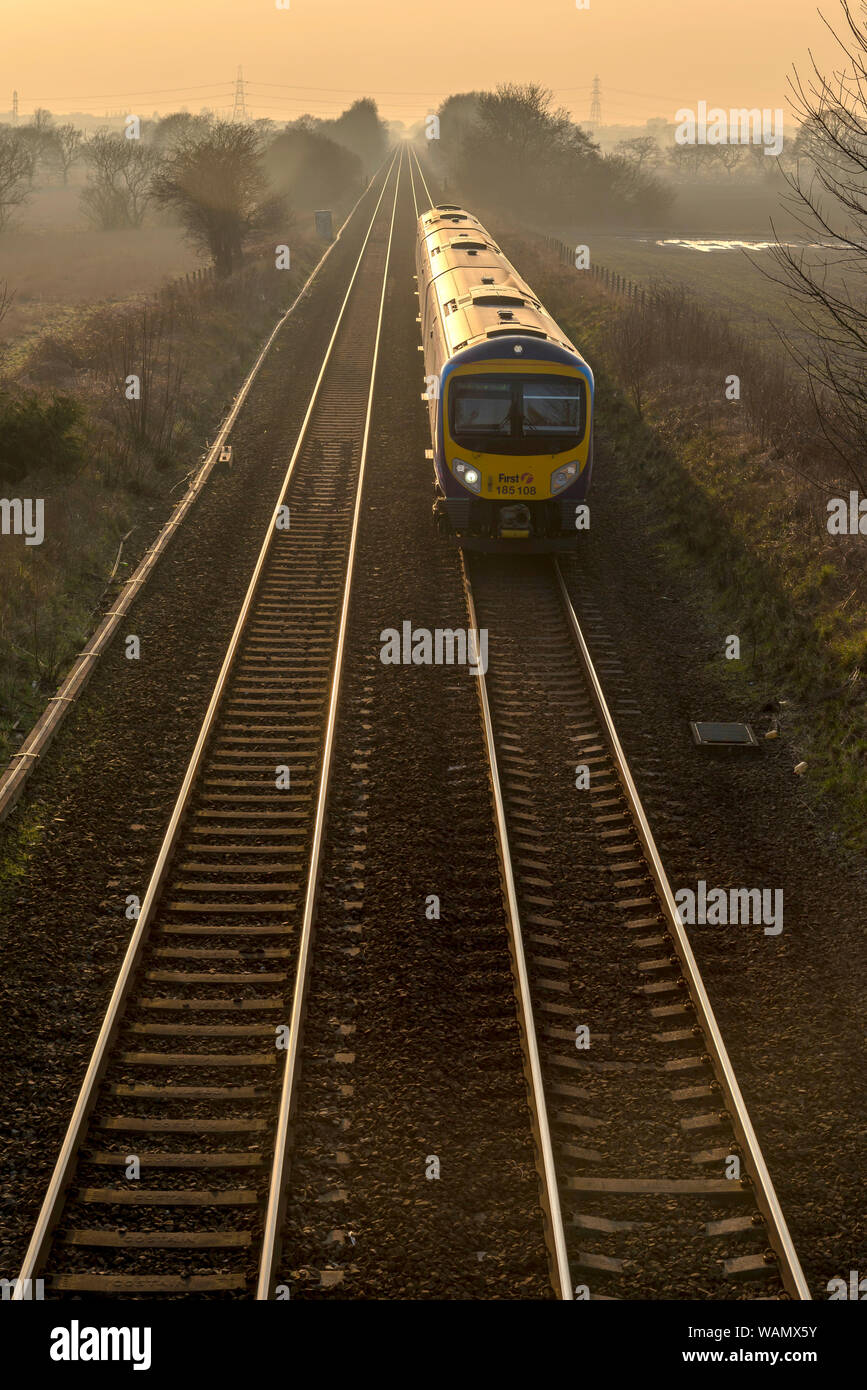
(653, 1183)
(417, 186)
(172, 1174)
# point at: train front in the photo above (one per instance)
(514, 445)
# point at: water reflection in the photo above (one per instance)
(730, 244)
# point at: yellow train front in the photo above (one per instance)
(510, 398)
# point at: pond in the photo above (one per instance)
(731, 244)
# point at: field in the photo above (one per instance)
(56, 264)
(83, 299)
(734, 282)
(731, 279)
(742, 495)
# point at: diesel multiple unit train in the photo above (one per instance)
(510, 398)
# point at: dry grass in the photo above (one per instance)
(57, 265)
(744, 487)
(191, 347)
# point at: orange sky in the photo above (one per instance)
(651, 55)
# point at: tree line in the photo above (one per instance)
(513, 147)
(222, 180)
(513, 151)
(517, 151)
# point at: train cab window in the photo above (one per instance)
(552, 407)
(513, 414)
(481, 406)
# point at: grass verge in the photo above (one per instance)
(737, 509)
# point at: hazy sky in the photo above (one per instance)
(651, 55)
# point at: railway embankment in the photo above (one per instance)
(717, 446)
(103, 420)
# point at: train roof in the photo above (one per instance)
(479, 293)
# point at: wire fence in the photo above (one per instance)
(182, 284)
(611, 279)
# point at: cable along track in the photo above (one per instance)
(637, 1119)
(184, 1086)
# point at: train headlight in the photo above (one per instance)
(563, 476)
(468, 475)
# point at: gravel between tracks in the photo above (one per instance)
(421, 1013)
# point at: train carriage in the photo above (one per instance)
(510, 397)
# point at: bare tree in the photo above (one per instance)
(119, 183)
(642, 151)
(178, 125)
(732, 156)
(7, 297)
(695, 160)
(16, 173)
(37, 135)
(66, 148)
(632, 341)
(216, 184)
(828, 279)
(144, 345)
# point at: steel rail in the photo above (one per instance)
(412, 185)
(64, 1167)
(271, 1242)
(538, 1105)
(21, 764)
(765, 1196)
(421, 176)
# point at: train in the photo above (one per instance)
(510, 398)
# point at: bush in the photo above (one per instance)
(37, 435)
